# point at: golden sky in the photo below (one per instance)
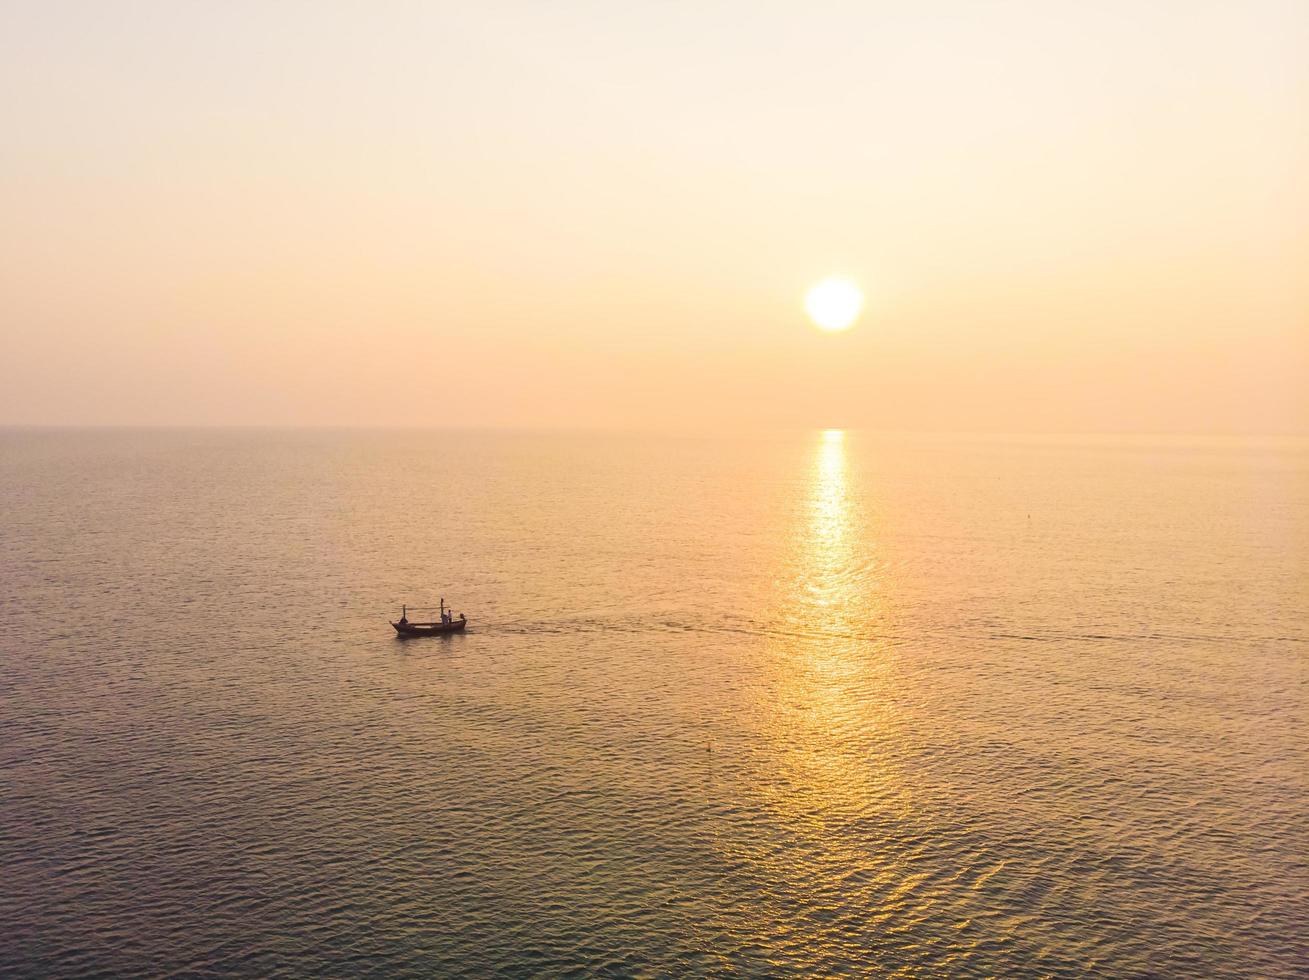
(1065, 216)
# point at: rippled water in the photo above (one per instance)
(815, 704)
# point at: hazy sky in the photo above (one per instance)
(1067, 216)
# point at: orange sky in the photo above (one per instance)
(1066, 216)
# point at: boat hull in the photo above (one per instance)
(430, 629)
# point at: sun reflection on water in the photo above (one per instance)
(830, 547)
(830, 713)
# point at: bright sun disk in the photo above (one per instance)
(834, 303)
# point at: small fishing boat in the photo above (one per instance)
(447, 623)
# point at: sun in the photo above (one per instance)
(834, 303)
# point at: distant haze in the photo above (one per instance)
(1064, 216)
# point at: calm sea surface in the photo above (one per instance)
(811, 704)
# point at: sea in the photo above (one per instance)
(807, 703)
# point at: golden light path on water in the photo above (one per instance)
(827, 717)
(831, 670)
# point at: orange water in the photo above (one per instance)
(814, 703)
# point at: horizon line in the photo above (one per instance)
(731, 429)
